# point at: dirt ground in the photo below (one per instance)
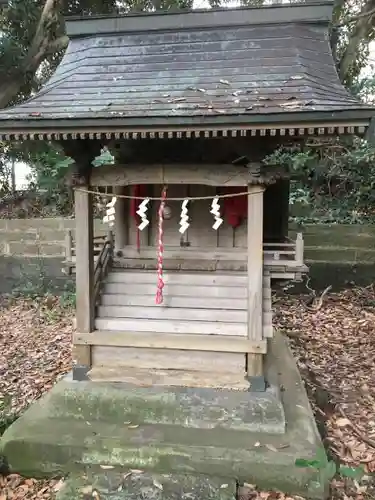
(333, 338)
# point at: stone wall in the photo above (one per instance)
(37, 237)
(33, 249)
(31, 254)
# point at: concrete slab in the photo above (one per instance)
(185, 431)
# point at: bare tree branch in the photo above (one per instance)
(40, 47)
(360, 33)
(355, 18)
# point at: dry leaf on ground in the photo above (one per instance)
(334, 348)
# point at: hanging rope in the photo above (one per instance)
(160, 285)
(190, 198)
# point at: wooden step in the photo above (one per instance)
(135, 357)
(180, 278)
(170, 378)
(166, 326)
(172, 313)
(207, 343)
(181, 290)
(117, 299)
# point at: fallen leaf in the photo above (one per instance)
(343, 422)
(271, 447)
(249, 486)
(59, 485)
(87, 490)
(158, 485)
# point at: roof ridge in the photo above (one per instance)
(310, 11)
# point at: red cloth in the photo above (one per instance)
(235, 209)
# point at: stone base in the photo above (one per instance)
(119, 484)
(214, 433)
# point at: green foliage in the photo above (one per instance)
(50, 168)
(335, 177)
(327, 469)
(352, 472)
(33, 285)
(105, 158)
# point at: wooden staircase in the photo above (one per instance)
(198, 336)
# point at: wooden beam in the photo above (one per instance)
(169, 378)
(211, 343)
(121, 218)
(84, 272)
(211, 175)
(255, 277)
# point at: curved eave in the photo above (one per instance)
(291, 124)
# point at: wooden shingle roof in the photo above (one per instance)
(216, 71)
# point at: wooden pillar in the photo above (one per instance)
(120, 220)
(255, 283)
(84, 279)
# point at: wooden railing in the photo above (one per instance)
(70, 250)
(102, 263)
(289, 251)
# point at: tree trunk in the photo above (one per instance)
(43, 44)
(360, 33)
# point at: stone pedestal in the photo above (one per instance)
(244, 436)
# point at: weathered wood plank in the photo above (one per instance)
(165, 359)
(211, 343)
(114, 299)
(121, 219)
(210, 278)
(267, 331)
(200, 233)
(84, 272)
(177, 290)
(210, 175)
(219, 254)
(255, 276)
(165, 326)
(170, 378)
(172, 313)
(287, 272)
(267, 306)
(196, 253)
(84, 261)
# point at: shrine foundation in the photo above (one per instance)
(84, 424)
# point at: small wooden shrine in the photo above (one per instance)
(188, 104)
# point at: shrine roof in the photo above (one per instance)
(244, 69)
